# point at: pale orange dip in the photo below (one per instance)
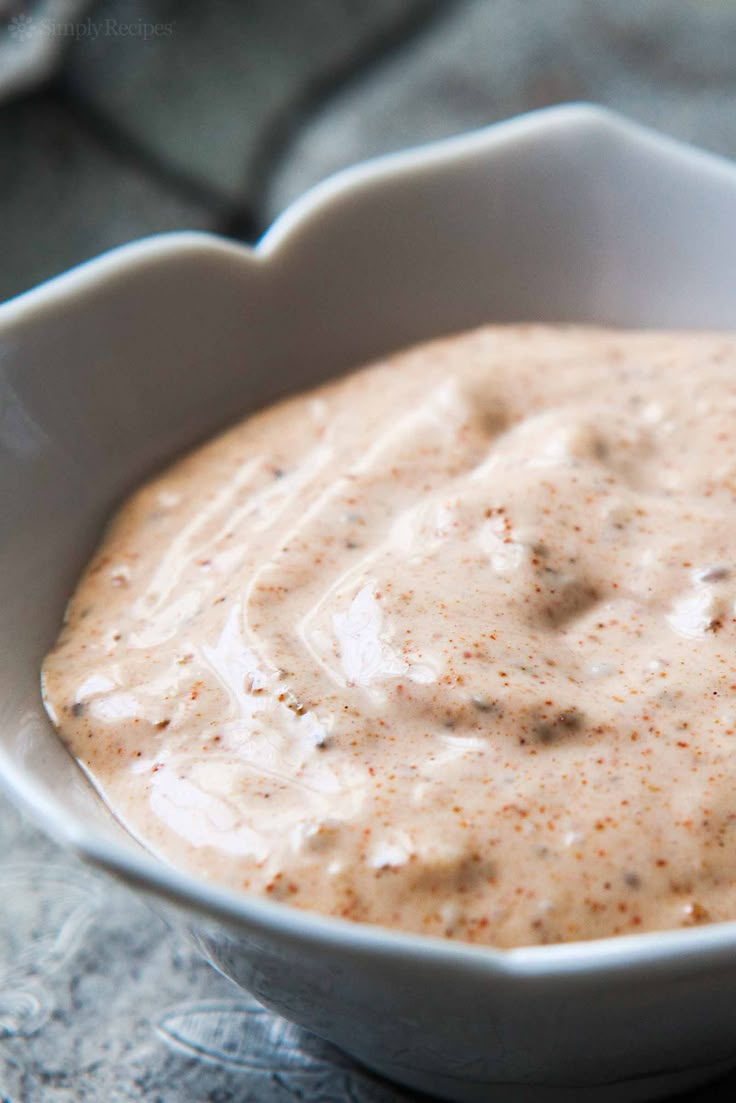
(448, 645)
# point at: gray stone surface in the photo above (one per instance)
(670, 63)
(66, 196)
(241, 68)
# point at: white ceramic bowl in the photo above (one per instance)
(567, 214)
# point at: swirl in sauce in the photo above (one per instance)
(447, 645)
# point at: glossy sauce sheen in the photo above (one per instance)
(447, 645)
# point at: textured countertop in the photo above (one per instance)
(217, 123)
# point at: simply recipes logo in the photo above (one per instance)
(21, 27)
(24, 27)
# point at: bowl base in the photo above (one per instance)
(638, 1090)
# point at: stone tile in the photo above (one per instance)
(207, 92)
(64, 196)
(670, 65)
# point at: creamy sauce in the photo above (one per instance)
(447, 645)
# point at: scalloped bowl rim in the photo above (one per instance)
(655, 950)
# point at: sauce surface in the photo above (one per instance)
(447, 645)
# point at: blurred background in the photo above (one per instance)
(120, 118)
